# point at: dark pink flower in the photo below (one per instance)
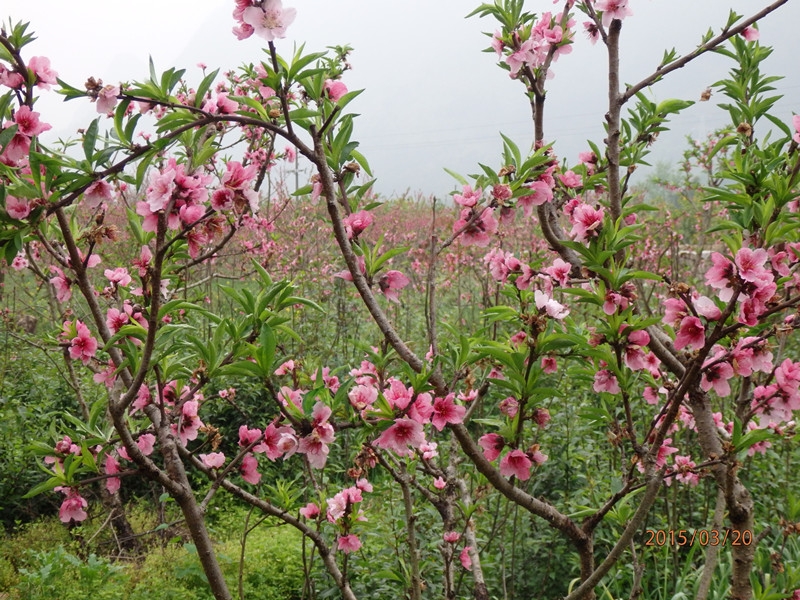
(403, 433)
(468, 198)
(465, 559)
(390, 284)
(335, 89)
(249, 469)
(111, 467)
(586, 222)
(83, 346)
(516, 463)
(445, 410)
(310, 511)
(492, 445)
(348, 543)
(692, 334)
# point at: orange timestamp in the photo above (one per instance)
(700, 537)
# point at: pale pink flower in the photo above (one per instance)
(721, 275)
(270, 20)
(605, 381)
(72, 508)
(362, 396)
(516, 463)
(45, 76)
(348, 543)
(118, 276)
(439, 483)
(107, 99)
(100, 191)
(17, 208)
(111, 467)
(613, 9)
(750, 33)
(716, 376)
(796, 124)
(286, 367)
(551, 307)
(559, 271)
(684, 470)
(146, 443)
(213, 460)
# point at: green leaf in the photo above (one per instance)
(90, 140)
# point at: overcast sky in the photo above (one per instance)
(432, 99)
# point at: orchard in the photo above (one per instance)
(561, 380)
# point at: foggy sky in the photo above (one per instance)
(433, 99)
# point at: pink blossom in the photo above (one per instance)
(468, 198)
(571, 179)
(403, 433)
(796, 124)
(286, 367)
(605, 381)
(83, 346)
(439, 483)
(28, 122)
(559, 271)
(684, 470)
(45, 76)
(445, 410)
(541, 193)
(348, 543)
(716, 376)
(118, 276)
(451, 537)
(613, 9)
(465, 559)
(335, 89)
(269, 20)
(550, 306)
(20, 262)
(213, 460)
(310, 511)
(107, 99)
(146, 443)
(492, 445)
(72, 508)
(362, 396)
(541, 416)
(390, 284)
(98, 192)
(705, 307)
(549, 364)
(476, 231)
(509, 407)
(249, 469)
(720, 276)
(111, 467)
(586, 222)
(17, 208)
(750, 33)
(692, 334)
(516, 463)
(10, 78)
